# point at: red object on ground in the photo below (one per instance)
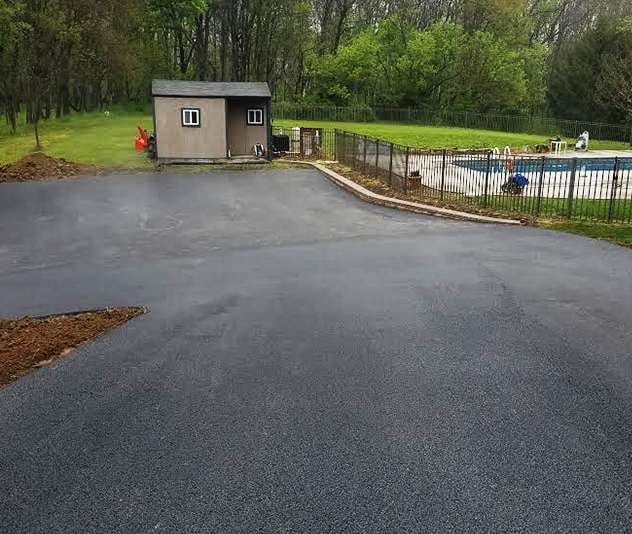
(142, 141)
(139, 145)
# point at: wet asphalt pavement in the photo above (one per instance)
(311, 363)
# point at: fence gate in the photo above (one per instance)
(311, 142)
(301, 142)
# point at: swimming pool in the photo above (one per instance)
(550, 165)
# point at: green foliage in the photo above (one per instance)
(431, 65)
(569, 57)
(442, 67)
(620, 234)
(613, 89)
(352, 71)
(492, 76)
(12, 38)
(591, 77)
(535, 65)
(505, 19)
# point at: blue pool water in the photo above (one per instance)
(550, 165)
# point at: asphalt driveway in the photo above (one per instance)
(311, 363)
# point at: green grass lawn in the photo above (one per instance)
(596, 209)
(109, 141)
(82, 137)
(621, 234)
(439, 137)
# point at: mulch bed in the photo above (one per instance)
(31, 342)
(39, 167)
(378, 186)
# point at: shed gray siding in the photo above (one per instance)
(223, 111)
(175, 141)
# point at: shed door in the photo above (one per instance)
(236, 129)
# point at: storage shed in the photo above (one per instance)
(202, 122)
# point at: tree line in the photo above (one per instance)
(569, 58)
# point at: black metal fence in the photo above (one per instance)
(546, 126)
(598, 189)
(306, 143)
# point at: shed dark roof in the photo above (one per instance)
(211, 89)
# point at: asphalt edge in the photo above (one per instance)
(404, 205)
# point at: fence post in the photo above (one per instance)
(390, 166)
(406, 171)
(330, 148)
(613, 193)
(353, 151)
(443, 162)
(340, 145)
(377, 157)
(364, 159)
(345, 147)
(349, 153)
(571, 189)
(538, 201)
(487, 172)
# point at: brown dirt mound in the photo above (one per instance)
(39, 166)
(31, 342)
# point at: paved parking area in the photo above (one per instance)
(311, 363)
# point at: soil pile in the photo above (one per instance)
(39, 166)
(36, 341)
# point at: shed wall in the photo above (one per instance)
(241, 136)
(180, 142)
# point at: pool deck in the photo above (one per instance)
(592, 154)
(587, 183)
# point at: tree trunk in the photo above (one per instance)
(38, 146)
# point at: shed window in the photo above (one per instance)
(190, 117)
(255, 117)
